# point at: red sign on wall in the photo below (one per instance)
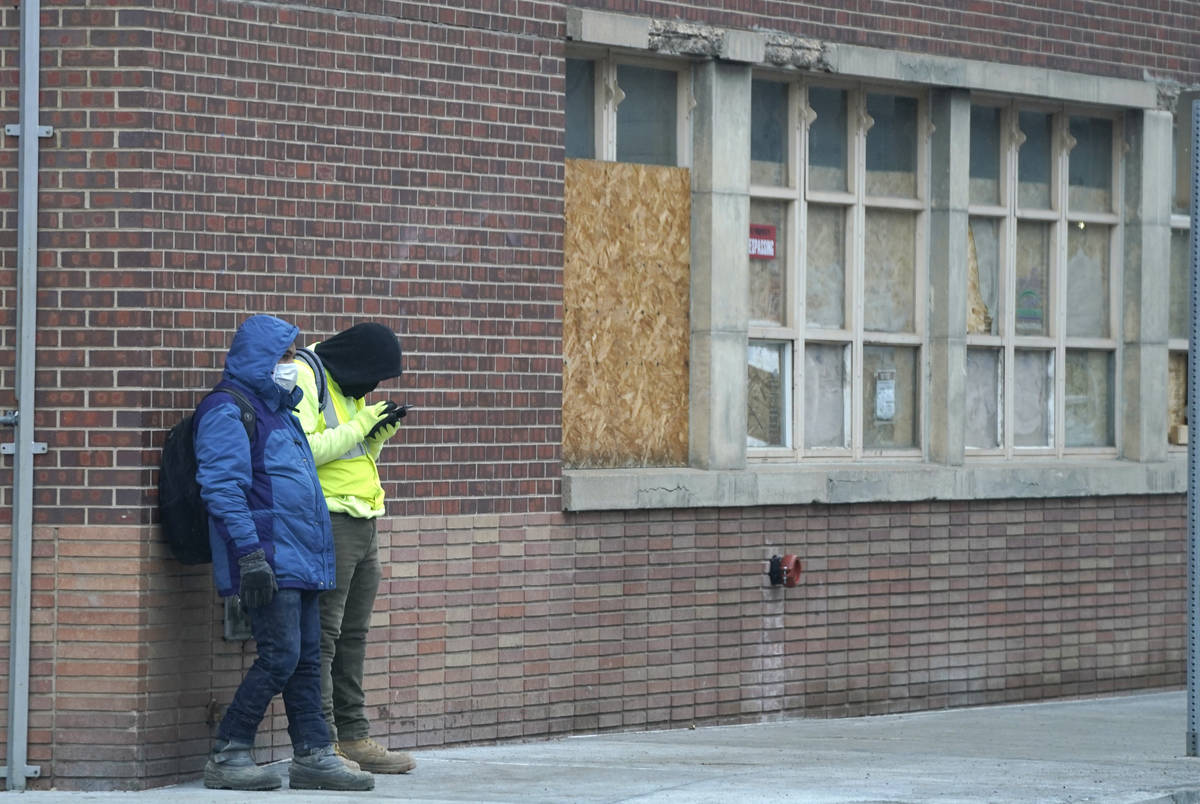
(762, 241)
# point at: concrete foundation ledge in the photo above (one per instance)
(800, 484)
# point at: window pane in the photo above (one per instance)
(983, 276)
(581, 109)
(890, 379)
(768, 256)
(1087, 281)
(1033, 277)
(1177, 370)
(985, 155)
(826, 406)
(1089, 409)
(1033, 398)
(827, 139)
(768, 133)
(1181, 198)
(984, 382)
(892, 146)
(1033, 160)
(1090, 183)
(826, 273)
(889, 283)
(646, 117)
(1180, 290)
(765, 402)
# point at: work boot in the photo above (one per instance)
(231, 766)
(323, 769)
(373, 757)
(350, 763)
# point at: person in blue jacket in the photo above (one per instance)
(272, 545)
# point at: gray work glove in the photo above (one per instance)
(258, 580)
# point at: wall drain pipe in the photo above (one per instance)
(28, 130)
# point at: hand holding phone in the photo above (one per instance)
(394, 412)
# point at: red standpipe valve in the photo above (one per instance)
(784, 571)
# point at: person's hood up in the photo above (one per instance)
(257, 346)
(361, 357)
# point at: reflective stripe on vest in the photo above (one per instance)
(331, 422)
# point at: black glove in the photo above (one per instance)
(392, 414)
(258, 580)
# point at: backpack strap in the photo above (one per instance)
(318, 370)
(244, 407)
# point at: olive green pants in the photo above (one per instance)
(345, 620)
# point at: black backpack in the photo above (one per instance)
(181, 511)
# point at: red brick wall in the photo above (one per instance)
(214, 159)
(532, 625)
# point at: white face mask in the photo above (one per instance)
(285, 376)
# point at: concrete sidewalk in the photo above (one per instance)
(1120, 749)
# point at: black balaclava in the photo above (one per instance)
(361, 357)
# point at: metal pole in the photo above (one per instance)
(22, 515)
(1193, 490)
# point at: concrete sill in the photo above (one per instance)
(800, 484)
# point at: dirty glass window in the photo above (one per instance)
(827, 139)
(1042, 277)
(1088, 280)
(1089, 398)
(985, 155)
(768, 386)
(1035, 158)
(984, 275)
(1091, 175)
(891, 145)
(891, 377)
(889, 281)
(1179, 288)
(844, 285)
(1179, 305)
(826, 266)
(646, 115)
(1033, 301)
(768, 132)
(581, 109)
(768, 250)
(985, 424)
(826, 389)
(626, 112)
(1033, 403)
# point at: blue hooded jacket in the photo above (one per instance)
(261, 493)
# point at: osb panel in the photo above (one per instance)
(979, 320)
(626, 282)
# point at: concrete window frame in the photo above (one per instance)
(719, 473)
(1062, 222)
(858, 207)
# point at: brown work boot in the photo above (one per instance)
(373, 757)
(347, 761)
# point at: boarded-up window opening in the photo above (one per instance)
(626, 288)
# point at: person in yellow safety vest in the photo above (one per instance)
(346, 436)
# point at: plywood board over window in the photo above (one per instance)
(626, 282)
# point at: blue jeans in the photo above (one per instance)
(288, 635)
